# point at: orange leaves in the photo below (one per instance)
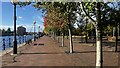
(55, 20)
(45, 22)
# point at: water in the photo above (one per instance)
(20, 40)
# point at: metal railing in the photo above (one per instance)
(8, 42)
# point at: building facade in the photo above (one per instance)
(21, 30)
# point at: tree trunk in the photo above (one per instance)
(113, 31)
(62, 39)
(101, 51)
(70, 37)
(67, 36)
(98, 40)
(58, 39)
(58, 36)
(116, 35)
(51, 34)
(54, 35)
(118, 29)
(86, 38)
(99, 54)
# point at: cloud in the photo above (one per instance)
(19, 17)
(6, 27)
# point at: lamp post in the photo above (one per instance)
(39, 30)
(34, 29)
(15, 40)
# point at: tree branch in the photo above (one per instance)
(82, 5)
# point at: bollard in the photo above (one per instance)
(3, 44)
(58, 39)
(9, 43)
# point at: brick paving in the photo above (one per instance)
(47, 52)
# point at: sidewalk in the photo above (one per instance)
(47, 52)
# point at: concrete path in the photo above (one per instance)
(47, 52)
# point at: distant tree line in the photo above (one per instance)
(7, 32)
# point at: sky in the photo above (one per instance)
(25, 16)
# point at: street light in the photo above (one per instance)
(39, 30)
(15, 40)
(34, 29)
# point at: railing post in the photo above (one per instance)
(19, 40)
(9, 42)
(3, 44)
(23, 38)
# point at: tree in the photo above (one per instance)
(0, 32)
(69, 8)
(103, 16)
(97, 24)
(3, 32)
(8, 31)
(114, 16)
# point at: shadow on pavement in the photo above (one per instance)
(38, 44)
(46, 53)
(89, 51)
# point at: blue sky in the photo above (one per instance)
(25, 16)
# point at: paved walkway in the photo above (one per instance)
(47, 52)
